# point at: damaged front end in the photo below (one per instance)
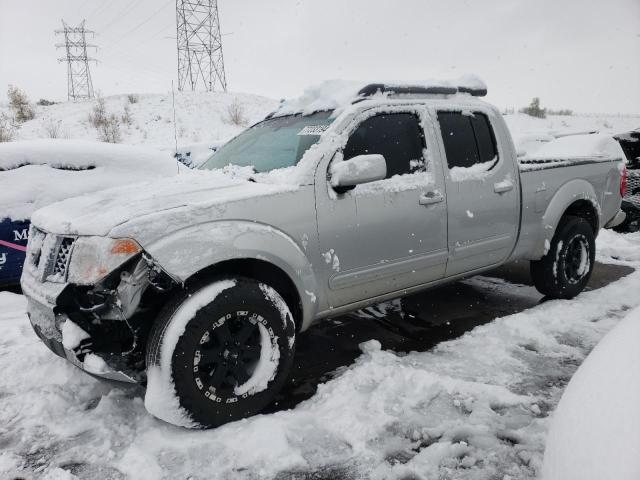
(98, 321)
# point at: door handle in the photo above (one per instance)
(430, 198)
(503, 187)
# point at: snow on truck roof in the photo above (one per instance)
(337, 94)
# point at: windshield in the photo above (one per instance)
(274, 143)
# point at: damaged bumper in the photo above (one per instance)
(48, 327)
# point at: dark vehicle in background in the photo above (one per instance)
(630, 143)
(13, 245)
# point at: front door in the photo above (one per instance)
(391, 234)
(482, 192)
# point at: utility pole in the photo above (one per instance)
(79, 84)
(200, 59)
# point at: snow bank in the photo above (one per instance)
(579, 146)
(595, 431)
(36, 173)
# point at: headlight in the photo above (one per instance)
(93, 258)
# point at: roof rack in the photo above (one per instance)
(374, 88)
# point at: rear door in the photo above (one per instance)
(482, 191)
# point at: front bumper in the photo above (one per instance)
(48, 326)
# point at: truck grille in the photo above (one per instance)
(48, 255)
(633, 187)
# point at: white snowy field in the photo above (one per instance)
(476, 407)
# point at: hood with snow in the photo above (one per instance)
(167, 204)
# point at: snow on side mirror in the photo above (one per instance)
(347, 174)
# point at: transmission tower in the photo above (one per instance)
(200, 60)
(79, 85)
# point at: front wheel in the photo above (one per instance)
(218, 352)
(566, 268)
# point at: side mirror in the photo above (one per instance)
(346, 174)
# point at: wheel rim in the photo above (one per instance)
(577, 261)
(229, 354)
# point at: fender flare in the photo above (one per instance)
(186, 252)
(569, 193)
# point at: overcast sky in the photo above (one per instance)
(577, 54)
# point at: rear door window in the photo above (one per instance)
(468, 139)
(396, 136)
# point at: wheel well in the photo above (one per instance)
(261, 271)
(584, 209)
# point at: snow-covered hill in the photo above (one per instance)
(200, 117)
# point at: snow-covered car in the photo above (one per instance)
(36, 173)
(346, 197)
(594, 432)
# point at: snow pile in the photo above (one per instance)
(37, 173)
(606, 391)
(471, 408)
(530, 133)
(579, 146)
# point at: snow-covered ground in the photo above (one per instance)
(476, 407)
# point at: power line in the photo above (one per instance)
(79, 84)
(200, 59)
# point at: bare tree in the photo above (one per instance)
(534, 109)
(20, 104)
(236, 114)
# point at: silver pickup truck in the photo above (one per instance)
(199, 284)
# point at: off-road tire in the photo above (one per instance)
(558, 274)
(246, 295)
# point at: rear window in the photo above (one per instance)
(468, 139)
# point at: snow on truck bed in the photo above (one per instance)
(36, 173)
(473, 408)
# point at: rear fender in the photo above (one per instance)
(568, 194)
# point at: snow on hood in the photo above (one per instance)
(36, 173)
(336, 94)
(198, 190)
(579, 146)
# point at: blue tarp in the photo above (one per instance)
(13, 242)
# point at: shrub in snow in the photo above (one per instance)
(53, 129)
(20, 104)
(98, 115)
(133, 98)
(127, 118)
(109, 130)
(7, 128)
(236, 114)
(534, 109)
(43, 102)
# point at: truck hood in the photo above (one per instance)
(161, 206)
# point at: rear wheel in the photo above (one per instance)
(566, 268)
(219, 352)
